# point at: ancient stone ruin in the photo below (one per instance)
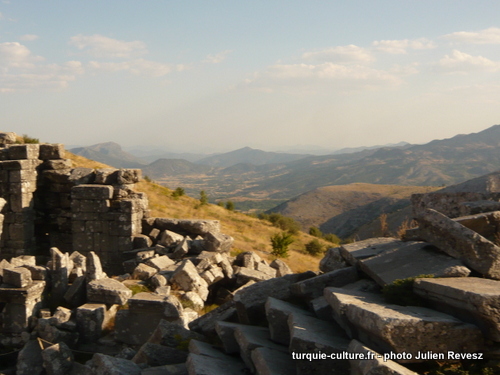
(91, 284)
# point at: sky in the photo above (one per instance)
(214, 76)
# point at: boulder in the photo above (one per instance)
(105, 364)
(332, 260)
(215, 241)
(29, 359)
(144, 272)
(187, 278)
(281, 268)
(173, 335)
(57, 359)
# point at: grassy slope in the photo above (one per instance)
(250, 234)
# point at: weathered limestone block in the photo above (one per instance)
(281, 268)
(53, 334)
(312, 335)
(158, 355)
(23, 260)
(93, 267)
(37, 272)
(244, 275)
(477, 207)
(471, 299)
(205, 324)
(313, 287)
(181, 249)
(169, 238)
(173, 335)
(192, 300)
(356, 251)
(186, 278)
(277, 313)
(155, 303)
(263, 267)
(321, 308)
(108, 291)
(141, 241)
(90, 320)
(105, 364)
(79, 176)
(205, 365)
(409, 329)
(225, 331)
(8, 138)
(216, 241)
(76, 294)
(200, 227)
(460, 242)
(250, 301)
(411, 259)
(332, 260)
(57, 359)
(372, 363)
(18, 277)
(60, 316)
(29, 359)
(92, 192)
(160, 263)
(270, 361)
(486, 224)
(129, 176)
(31, 293)
(24, 151)
(52, 151)
(144, 272)
(248, 259)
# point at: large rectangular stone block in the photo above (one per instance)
(92, 192)
(52, 151)
(26, 151)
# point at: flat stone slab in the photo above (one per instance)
(353, 252)
(203, 365)
(409, 329)
(313, 335)
(313, 287)
(21, 295)
(277, 313)
(272, 362)
(225, 331)
(373, 363)
(108, 291)
(410, 259)
(460, 242)
(206, 323)
(472, 299)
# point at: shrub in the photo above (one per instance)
(178, 192)
(400, 292)
(280, 243)
(28, 139)
(315, 247)
(203, 198)
(284, 223)
(230, 206)
(314, 231)
(330, 237)
(220, 203)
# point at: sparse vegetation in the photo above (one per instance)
(405, 225)
(147, 178)
(229, 206)
(179, 192)
(314, 231)
(400, 292)
(203, 198)
(315, 247)
(384, 227)
(281, 222)
(27, 139)
(280, 243)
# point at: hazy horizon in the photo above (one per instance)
(271, 75)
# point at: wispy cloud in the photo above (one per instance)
(28, 37)
(217, 58)
(103, 47)
(401, 46)
(137, 67)
(460, 62)
(486, 36)
(340, 54)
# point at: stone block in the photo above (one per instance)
(60, 164)
(29, 359)
(106, 176)
(356, 251)
(186, 278)
(144, 272)
(173, 335)
(37, 272)
(90, 319)
(146, 303)
(281, 268)
(160, 263)
(141, 241)
(128, 176)
(23, 260)
(18, 277)
(410, 259)
(332, 260)
(198, 227)
(108, 291)
(90, 206)
(168, 238)
(80, 176)
(204, 365)
(216, 241)
(248, 259)
(105, 364)
(158, 355)
(205, 324)
(133, 329)
(30, 293)
(270, 361)
(24, 151)
(57, 359)
(76, 294)
(181, 249)
(395, 328)
(51, 151)
(313, 287)
(244, 275)
(93, 267)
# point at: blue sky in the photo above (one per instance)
(218, 75)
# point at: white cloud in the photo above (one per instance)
(401, 46)
(28, 37)
(340, 54)
(137, 67)
(460, 62)
(14, 54)
(311, 77)
(104, 47)
(217, 58)
(486, 36)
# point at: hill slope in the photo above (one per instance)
(109, 153)
(249, 155)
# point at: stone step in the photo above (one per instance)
(373, 363)
(471, 299)
(309, 335)
(353, 252)
(225, 331)
(277, 313)
(252, 337)
(313, 287)
(272, 362)
(385, 327)
(410, 259)
(205, 359)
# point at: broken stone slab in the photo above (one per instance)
(105, 364)
(250, 301)
(332, 260)
(486, 224)
(270, 361)
(277, 313)
(321, 308)
(199, 227)
(173, 335)
(76, 294)
(312, 335)
(159, 355)
(18, 277)
(160, 263)
(225, 331)
(385, 327)
(25, 295)
(248, 259)
(169, 238)
(212, 275)
(187, 278)
(460, 242)
(215, 241)
(108, 291)
(181, 249)
(410, 259)
(205, 324)
(281, 268)
(57, 359)
(471, 299)
(29, 359)
(372, 362)
(143, 272)
(204, 365)
(93, 267)
(90, 321)
(23, 260)
(146, 303)
(244, 275)
(252, 337)
(313, 287)
(356, 251)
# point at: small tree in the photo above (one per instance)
(314, 231)
(220, 203)
(330, 237)
(179, 192)
(203, 198)
(280, 243)
(315, 247)
(230, 206)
